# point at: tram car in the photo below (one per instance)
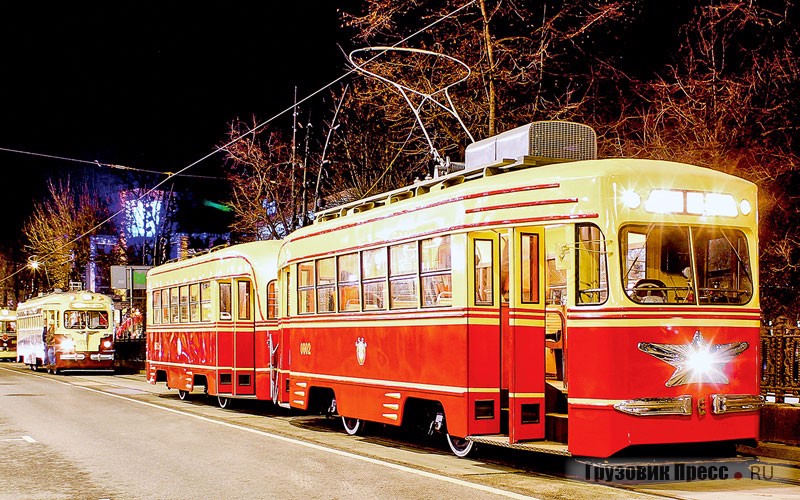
(67, 331)
(536, 298)
(8, 335)
(212, 322)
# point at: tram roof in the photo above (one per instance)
(560, 170)
(260, 254)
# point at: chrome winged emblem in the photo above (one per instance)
(695, 362)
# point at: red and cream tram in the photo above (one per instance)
(211, 322)
(67, 331)
(538, 298)
(8, 335)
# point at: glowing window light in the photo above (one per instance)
(720, 204)
(695, 202)
(664, 201)
(668, 201)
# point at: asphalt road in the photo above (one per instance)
(118, 437)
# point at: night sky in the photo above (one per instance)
(154, 85)
(150, 85)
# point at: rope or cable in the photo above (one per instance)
(101, 164)
(237, 139)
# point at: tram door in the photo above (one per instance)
(244, 339)
(523, 331)
(507, 332)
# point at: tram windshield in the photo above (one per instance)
(85, 319)
(672, 264)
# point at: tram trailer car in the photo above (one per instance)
(67, 331)
(8, 335)
(539, 298)
(211, 322)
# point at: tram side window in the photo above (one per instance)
(591, 271)
(373, 272)
(157, 307)
(326, 285)
(403, 263)
(173, 305)
(305, 287)
(225, 300)
(243, 305)
(272, 301)
(529, 267)
(288, 290)
(436, 277)
(184, 303)
(164, 305)
(194, 302)
(205, 301)
(348, 283)
(484, 285)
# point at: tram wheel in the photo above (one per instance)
(224, 402)
(353, 426)
(183, 394)
(459, 446)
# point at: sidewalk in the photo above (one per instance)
(779, 433)
(772, 450)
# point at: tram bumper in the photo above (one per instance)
(72, 356)
(735, 403)
(681, 405)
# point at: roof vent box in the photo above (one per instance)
(548, 139)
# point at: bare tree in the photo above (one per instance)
(528, 62)
(265, 182)
(57, 228)
(729, 102)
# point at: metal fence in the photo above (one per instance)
(780, 355)
(130, 354)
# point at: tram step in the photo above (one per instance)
(556, 426)
(555, 397)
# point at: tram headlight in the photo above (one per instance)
(67, 345)
(700, 361)
(745, 207)
(107, 344)
(631, 199)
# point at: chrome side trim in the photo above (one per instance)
(735, 403)
(73, 357)
(681, 405)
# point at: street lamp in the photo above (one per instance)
(33, 265)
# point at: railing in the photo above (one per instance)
(780, 359)
(130, 354)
